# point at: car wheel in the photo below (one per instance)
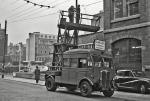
(85, 88)
(142, 89)
(108, 93)
(50, 84)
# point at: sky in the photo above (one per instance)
(24, 18)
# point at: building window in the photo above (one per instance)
(118, 8)
(125, 8)
(45, 36)
(132, 7)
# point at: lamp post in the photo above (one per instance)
(20, 56)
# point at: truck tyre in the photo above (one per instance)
(85, 88)
(108, 93)
(50, 84)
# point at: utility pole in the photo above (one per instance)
(77, 21)
(76, 3)
(76, 10)
(5, 45)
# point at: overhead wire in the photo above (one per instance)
(33, 17)
(18, 7)
(29, 14)
(37, 12)
(37, 4)
(22, 11)
(92, 3)
(33, 12)
(60, 3)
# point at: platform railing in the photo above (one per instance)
(85, 19)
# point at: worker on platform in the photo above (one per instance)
(71, 14)
(78, 14)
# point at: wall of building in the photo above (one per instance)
(14, 52)
(40, 46)
(2, 43)
(136, 26)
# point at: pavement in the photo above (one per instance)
(31, 81)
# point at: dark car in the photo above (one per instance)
(130, 80)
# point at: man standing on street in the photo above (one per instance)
(37, 74)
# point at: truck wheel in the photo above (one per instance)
(85, 88)
(108, 93)
(50, 84)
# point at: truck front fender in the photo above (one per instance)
(49, 76)
(85, 79)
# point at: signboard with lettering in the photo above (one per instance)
(100, 45)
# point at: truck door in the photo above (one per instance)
(82, 70)
(65, 71)
(73, 71)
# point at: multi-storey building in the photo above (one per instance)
(17, 52)
(127, 32)
(3, 43)
(40, 47)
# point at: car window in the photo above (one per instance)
(124, 73)
(128, 73)
(120, 73)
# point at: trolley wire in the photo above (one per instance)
(33, 11)
(33, 17)
(29, 14)
(91, 3)
(22, 11)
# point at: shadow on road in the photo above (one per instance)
(94, 95)
(131, 91)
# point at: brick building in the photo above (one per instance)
(40, 47)
(126, 31)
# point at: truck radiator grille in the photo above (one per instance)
(105, 79)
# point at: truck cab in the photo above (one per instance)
(85, 69)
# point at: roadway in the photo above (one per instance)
(11, 90)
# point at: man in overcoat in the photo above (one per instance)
(37, 74)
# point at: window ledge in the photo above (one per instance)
(125, 18)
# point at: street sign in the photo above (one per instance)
(100, 45)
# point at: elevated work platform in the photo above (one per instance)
(76, 26)
(84, 24)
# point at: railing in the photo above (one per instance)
(86, 19)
